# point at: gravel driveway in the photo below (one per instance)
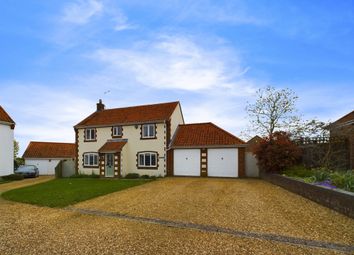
(240, 205)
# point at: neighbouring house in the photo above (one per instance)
(344, 127)
(7, 126)
(138, 139)
(206, 150)
(47, 155)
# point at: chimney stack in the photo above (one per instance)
(100, 106)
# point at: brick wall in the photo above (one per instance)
(342, 202)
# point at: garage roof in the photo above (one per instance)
(131, 115)
(5, 117)
(203, 134)
(112, 146)
(50, 150)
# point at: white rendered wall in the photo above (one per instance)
(6, 150)
(45, 166)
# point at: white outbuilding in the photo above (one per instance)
(47, 155)
(7, 126)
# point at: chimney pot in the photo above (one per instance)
(100, 106)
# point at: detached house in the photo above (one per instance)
(115, 142)
(7, 126)
(154, 140)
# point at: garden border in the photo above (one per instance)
(340, 201)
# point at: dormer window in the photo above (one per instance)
(117, 131)
(148, 131)
(90, 134)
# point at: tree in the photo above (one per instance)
(16, 149)
(277, 152)
(273, 110)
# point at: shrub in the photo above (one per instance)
(276, 153)
(298, 171)
(321, 174)
(13, 177)
(145, 176)
(343, 180)
(132, 176)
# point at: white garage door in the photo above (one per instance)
(186, 162)
(223, 162)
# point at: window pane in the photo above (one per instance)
(152, 131)
(95, 159)
(86, 159)
(92, 134)
(91, 159)
(153, 159)
(145, 130)
(147, 159)
(141, 159)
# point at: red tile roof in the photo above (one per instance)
(50, 150)
(5, 117)
(112, 146)
(203, 134)
(134, 114)
(345, 118)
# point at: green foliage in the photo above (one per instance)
(132, 176)
(340, 179)
(16, 148)
(298, 171)
(67, 191)
(13, 177)
(343, 180)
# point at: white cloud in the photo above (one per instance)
(43, 113)
(177, 62)
(80, 12)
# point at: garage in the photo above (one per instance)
(47, 155)
(187, 162)
(222, 162)
(206, 150)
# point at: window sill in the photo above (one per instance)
(90, 166)
(148, 167)
(90, 141)
(117, 136)
(148, 138)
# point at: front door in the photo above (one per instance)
(109, 165)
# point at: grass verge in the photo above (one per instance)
(68, 191)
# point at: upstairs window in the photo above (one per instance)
(90, 134)
(91, 159)
(147, 159)
(117, 131)
(148, 131)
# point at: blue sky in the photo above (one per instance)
(59, 57)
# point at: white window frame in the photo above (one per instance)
(147, 156)
(117, 131)
(89, 132)
(90, 159)
(150, 131)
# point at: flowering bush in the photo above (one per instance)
(276, 153)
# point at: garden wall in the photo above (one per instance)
(342, 202)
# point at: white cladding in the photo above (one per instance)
(223, 162)
(6, 150)
(186, 162)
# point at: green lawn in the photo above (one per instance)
(68, 191)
